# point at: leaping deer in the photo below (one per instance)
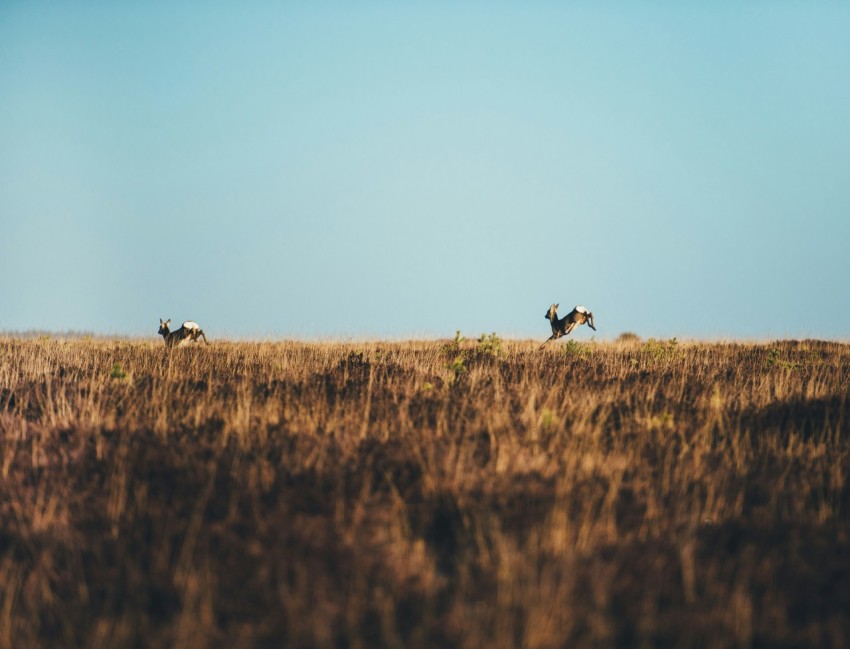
(188, 329)
(578, 316)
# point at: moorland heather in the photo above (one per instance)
(424, 494)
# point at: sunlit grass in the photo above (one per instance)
(456, 493)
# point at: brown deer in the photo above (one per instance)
(578, 316)
(188, 329)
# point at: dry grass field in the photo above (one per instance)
(424, 494)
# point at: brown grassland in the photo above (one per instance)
(424, 494)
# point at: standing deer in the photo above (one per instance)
(188, 329)
(578, 316)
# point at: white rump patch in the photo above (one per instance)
(191, 325)
(578, 308)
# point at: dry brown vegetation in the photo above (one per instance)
(424, 494)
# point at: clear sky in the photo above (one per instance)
(395, 169)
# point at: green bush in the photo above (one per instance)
(575, 348)
(489, 345)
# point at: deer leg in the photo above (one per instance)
(552, 337)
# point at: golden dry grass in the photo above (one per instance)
(424, 494)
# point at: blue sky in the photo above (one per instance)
(408, 169)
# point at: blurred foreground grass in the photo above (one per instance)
(424, 494)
